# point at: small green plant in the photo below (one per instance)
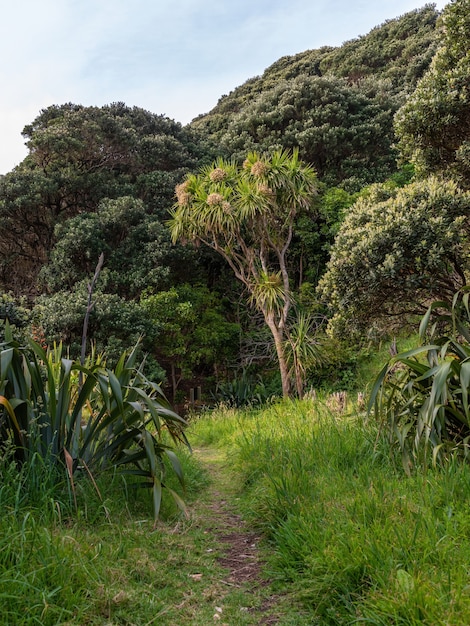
(422, 395)
(87, 418)
(241, 391)
(303, 349)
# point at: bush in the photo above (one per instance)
(85, 419)
(241, 391)
(422, 396)
(396, 250)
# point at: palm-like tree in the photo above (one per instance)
(246, 214)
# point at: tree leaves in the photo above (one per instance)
(335, 105)
(392, 255)
(81, 157)
(433, 125)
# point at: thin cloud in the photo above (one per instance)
(172, 57)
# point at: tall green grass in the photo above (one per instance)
(354, 538)
(67, 564)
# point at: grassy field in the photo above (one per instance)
(102, 564)
(350, 535)
(105, 564)
(348, 538)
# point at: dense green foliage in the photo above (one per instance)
(345, 130)
(191, 333)
(434, 124)
(335, 104)
(396, 249)
(96, 181)
(135, 244)
(114, 323)
(78, 157)
(421, 396)
(101, 180)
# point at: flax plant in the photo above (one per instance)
(303, 350)
(122, 417)
(422, 395)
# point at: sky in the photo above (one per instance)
(170, 57)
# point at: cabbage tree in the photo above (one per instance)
(246, 214)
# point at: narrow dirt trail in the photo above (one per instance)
(243, 584)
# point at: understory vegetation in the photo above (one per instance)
(348, 536)
(348, 533)
(88, 559)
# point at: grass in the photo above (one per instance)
(103, 564)
(351, 537)
(371, 361)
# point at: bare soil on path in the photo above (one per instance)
(238, 552)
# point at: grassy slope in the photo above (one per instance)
(347, 534)
(105, 565)
(351, 536)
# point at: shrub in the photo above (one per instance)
(242, 391)
(422, 396)
(89, 418)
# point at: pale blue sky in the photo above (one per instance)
(171, 57)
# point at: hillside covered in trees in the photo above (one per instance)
(383, 121)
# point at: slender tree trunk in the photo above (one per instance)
(299, 381)
(89, 308)
(174, 381)
(278, 337)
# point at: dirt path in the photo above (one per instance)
(238, 551)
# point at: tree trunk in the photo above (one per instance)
(278, 337)
(299, 381)
(174, 381)
(75, 443)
